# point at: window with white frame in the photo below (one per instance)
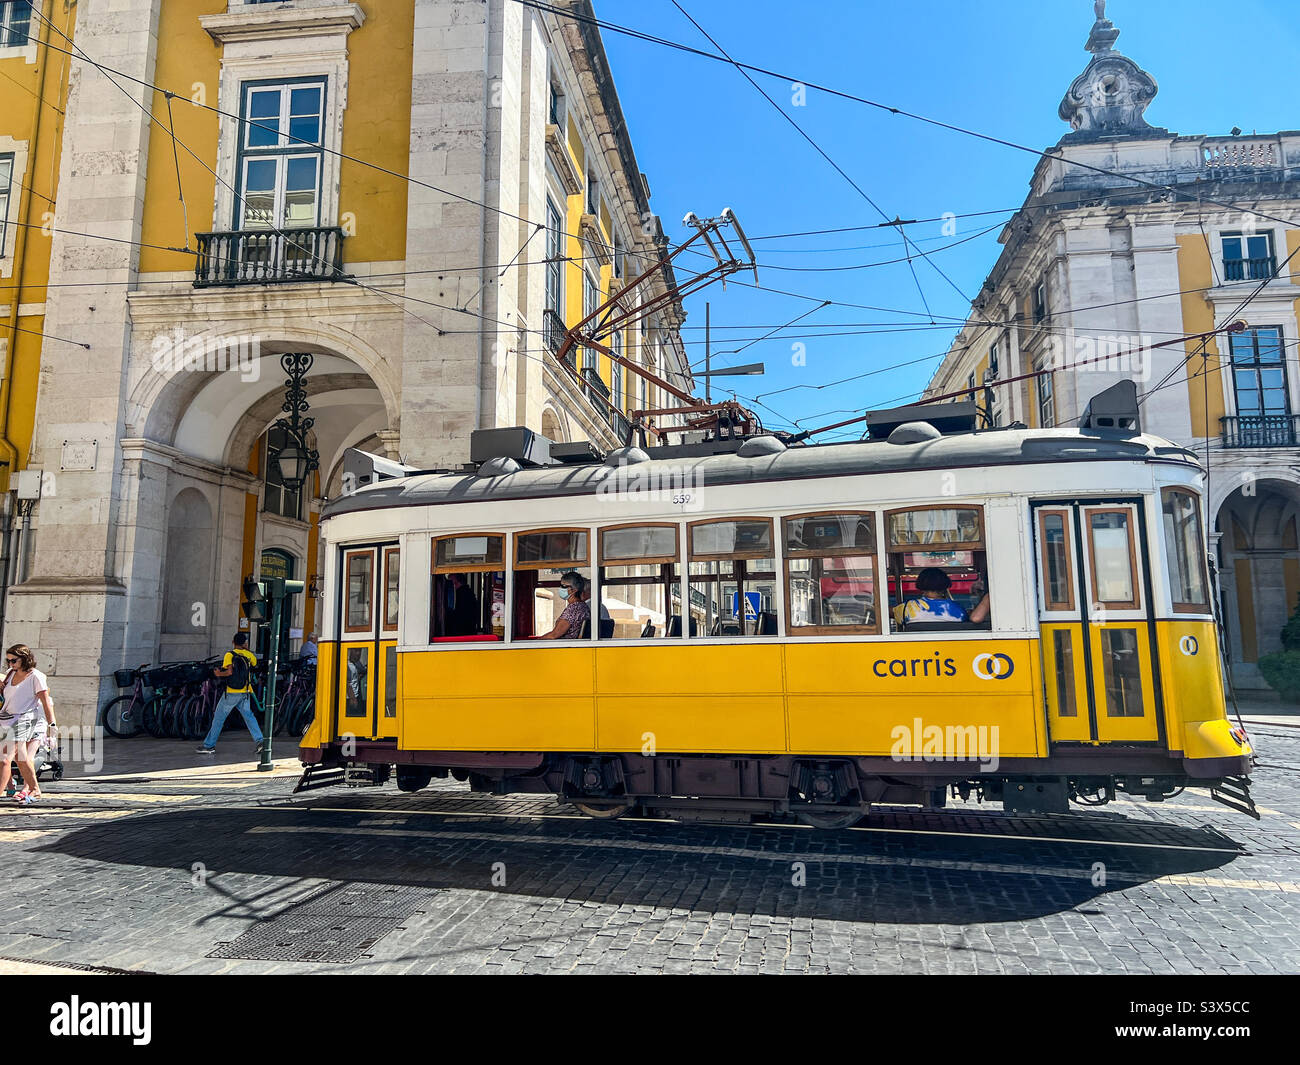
(1046, 400)
(15, 23)
(616, 369)
(6, 183)
(554, 259)
(1040, 301)
(556, 113)
(1259, 376)
(618, 256)
(993, 363)
(593, 195)
(1248, 256)
(280, 149)
(590, 301)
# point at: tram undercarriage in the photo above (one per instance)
(824, 792)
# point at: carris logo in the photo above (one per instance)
(1189, 645)
(993, 666)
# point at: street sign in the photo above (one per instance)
(752, 604)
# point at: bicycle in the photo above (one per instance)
(124, 716)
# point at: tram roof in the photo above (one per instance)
(999, 447)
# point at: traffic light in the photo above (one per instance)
(255, 604)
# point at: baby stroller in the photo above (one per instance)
(47, 764)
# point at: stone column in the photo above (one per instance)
(445, 229)
(73, 608)
(392, 441)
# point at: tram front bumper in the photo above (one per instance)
(1216, 749)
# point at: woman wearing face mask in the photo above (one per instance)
(568, 626)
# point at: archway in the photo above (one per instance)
(1258, 528)
(187, 576)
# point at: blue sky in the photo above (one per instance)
(707, 140)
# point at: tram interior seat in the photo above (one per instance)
(584, 632)
(606, 628)
(675, 625)
(765, 624)
(648, 631)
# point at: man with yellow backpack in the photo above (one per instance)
(237, 668)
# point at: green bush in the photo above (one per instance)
(1291, 632)
(1282, 671)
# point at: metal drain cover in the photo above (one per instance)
(337, 923)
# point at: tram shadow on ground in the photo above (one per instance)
(896, 874)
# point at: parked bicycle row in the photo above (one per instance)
(179, 700)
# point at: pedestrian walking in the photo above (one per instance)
(237, 668)
(25, 718)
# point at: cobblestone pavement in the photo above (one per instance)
(217, 869)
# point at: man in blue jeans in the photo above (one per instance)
(237, 667)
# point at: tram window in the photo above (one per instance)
(1058, 581)
(733, 578)
(542, 559)
(830, 574)
(360, 567)
(1184, 551)
(355, 700)
(1122, 672)
(1063, 655)
(467, 601)
(640, 582)
(390, 681)
(392, 581)
(1114, 574)
(938, 574)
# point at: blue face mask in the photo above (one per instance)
(564, 593)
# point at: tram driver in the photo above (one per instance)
(936, 605)
(569, 625)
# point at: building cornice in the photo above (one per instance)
(260, 23)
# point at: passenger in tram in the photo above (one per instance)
(935, 605)
(569, 625)
(463, 610)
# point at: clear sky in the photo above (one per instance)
(707, 139)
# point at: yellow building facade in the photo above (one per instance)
(413, 199)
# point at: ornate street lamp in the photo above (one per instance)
(295, 459)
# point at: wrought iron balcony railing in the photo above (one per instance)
(263, 257)
(553, 331)
(1249, 269)
(1261, 430)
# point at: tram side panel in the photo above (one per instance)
(1194, 699)
(915, 700)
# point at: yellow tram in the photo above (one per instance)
(755, 639)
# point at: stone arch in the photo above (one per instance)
(554, 427)
(1258, 526)
(187, 574)
(165, 391)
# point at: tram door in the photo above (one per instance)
(1096, 624)
(367, 679)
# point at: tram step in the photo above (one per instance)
(316, 776)
(1234, 793)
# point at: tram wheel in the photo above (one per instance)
(606, 812)
(832, 820)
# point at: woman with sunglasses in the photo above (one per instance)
(23, 721)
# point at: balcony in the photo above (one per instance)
(1249, 269)
(553, 330)
(262, 257)
(1261, 430)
